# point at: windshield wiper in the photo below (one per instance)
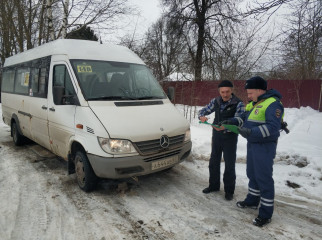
(110, 98)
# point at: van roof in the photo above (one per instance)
(77, 49)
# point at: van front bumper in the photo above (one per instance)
(124, 167)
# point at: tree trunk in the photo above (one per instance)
(201, 22)
(50, 20)
(5, 31)
(28, 29)
(41, 22)
(20, 27)
(65, 19)
(200, 48)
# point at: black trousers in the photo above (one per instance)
(223, 144)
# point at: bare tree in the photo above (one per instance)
(233, 50)
(164, 47)
(197, 15)
(6, 14)
(302, 46)
(28, 23)
(18, 25)
(99, 14)
(257, 7)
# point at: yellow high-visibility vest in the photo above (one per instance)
(258, 110)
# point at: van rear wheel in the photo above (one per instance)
(18, 139)
(86, 177)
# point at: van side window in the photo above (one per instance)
(42, 81)
(22, 81)
(27, 78)
(38, 84)
(8, 78)
(61, 78)
(35, 80)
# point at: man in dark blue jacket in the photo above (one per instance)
(261, 127)
(224, 142)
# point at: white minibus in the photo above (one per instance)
(95, 105)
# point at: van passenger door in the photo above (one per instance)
(22, 103)
(39, 106)
(61, 114)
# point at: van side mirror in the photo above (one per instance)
(171, 93)
(73, 100)
(61, 99)
(58, 92)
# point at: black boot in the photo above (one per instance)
(209, 190)
(243, 204)
(260, 222)
(229, 196)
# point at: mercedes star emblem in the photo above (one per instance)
(164, 141)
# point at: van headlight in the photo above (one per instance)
(187, 136)
(116, 146)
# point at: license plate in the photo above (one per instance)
(165, 162)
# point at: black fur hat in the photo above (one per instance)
(225, 83)
(256, 83)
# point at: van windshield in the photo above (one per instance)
(102, 80)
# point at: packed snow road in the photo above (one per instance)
(40, 201)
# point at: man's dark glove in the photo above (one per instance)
(284, 127)
(245, 132)
(228, 122)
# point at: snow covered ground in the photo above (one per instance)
(40, 201)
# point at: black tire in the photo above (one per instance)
(86, 178)
(18, 139)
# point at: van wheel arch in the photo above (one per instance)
(16, 135)
(76, 146)
(86, 178)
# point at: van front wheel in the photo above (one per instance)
(18, 139)
(86, 177)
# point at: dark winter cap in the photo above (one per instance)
(256, 83)
(225, 83)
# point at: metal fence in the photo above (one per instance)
(296, 93)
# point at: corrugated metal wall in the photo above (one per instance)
(296, 93)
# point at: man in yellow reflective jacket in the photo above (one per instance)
(261, 127)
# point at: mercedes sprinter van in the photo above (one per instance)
(95, 105)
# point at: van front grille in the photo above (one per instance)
(153, 146)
